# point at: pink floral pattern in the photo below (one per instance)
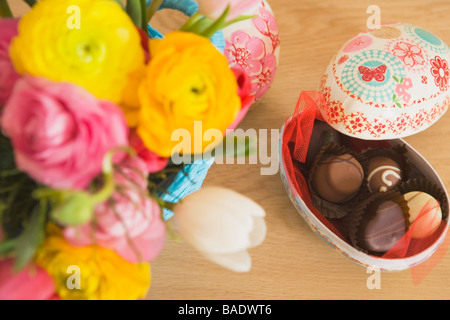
(440, 71)
(245, 52)
(253, 55)
(402, 91)
(410, 54)
(267, 26)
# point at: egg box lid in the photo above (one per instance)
(387, 83)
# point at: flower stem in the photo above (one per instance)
(5, 11)
(191, 21)
(144, 16)
(217, 25)
(134, 10)
(152, 8)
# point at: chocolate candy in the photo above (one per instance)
(425, 214)
(383, 174)
(321, 135)
(382, 226)
(338, 178)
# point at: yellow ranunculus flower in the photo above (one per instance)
(92, 43)
(187, 80)
(130, 102)
(103, 274)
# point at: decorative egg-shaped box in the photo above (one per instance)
(253, 45)
(387, 83)
(384, 84)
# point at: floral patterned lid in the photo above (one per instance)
(387, 83)
(253, 46)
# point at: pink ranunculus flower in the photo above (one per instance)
(244, 91)
(130, 223)
(60, 132)
(213, 9)
(154, 162)
(30, 283)
(8, 75)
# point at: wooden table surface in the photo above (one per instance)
(293, 262)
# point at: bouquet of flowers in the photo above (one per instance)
(89, 102)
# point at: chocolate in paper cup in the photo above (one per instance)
(426, 186)
(330, 209)
(355, 223)
(322, 134)
(397, 154)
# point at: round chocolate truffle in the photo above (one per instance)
(382, 227)
(425, 213)
(321, 135)
(383, 174)
(338, 178)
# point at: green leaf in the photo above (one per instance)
(401, 81)
(200, 25)
(31, 237)
(191, 22)
(31, 3)
(5, 11)
(395, 78)
(136, 9)
(217, 25)
(152, 8)
(394, 97)
(238, 19)
(7, 247)
(398, 104)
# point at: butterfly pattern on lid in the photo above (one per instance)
(386, 85)
(373, 73)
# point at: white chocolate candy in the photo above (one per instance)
(425, 214)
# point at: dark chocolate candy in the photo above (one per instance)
(321, 135)
(338, 178)
(383, 174)
(382, 226)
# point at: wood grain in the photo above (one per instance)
(293, 263)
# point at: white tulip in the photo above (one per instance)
(222, 224)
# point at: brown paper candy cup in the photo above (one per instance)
(354, 223)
